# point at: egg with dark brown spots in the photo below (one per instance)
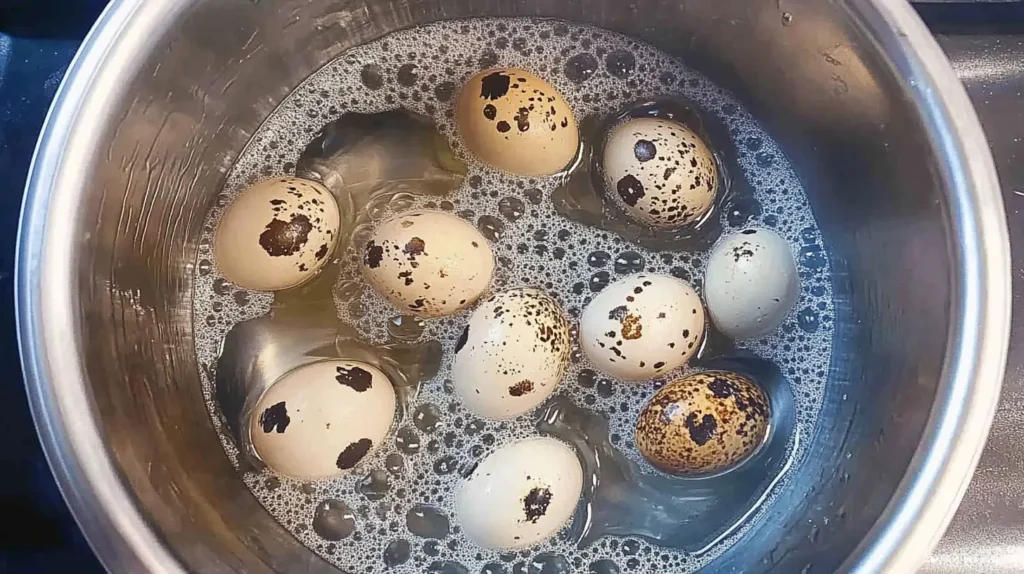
(516, 122)
(277, 234)
(323, 419)
(428, 263)
(512, 354)
(660, 172)
(703, 423)
(521, 494)
(642, 326)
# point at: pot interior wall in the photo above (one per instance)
(808, 73)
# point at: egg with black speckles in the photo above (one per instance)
(521, 494)
(512, 354)
(277, 234)
(751, 283)
(660, 172)
(428, 263)
(517, 122)
(642, 326)
(703, 423)
(322, 419)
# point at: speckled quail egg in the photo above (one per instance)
(322, 419)
(512, 354)
(660, 172)
(751, 283)
(517, 122)
(642, 326)
(277, 234)
(703, 423)
(428, 263)
(521, 494)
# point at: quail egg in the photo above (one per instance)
(642, 326)
(512, 354)
(322, 419)
(516, 122)
(751, 283)
(660, 172)
(428, 263)
(520, 495)
(703, 423)
(277, 234)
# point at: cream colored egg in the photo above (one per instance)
(277, 234)
(512, 354)
(428, 263)
(322, 419)
(520, 495)
(660, 172)
(642, 326)
(517, 122)
(751, 283)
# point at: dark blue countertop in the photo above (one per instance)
(38, 38)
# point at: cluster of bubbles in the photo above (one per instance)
(396, 512)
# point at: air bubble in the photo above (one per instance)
(629, 262)
(426, 417)
(372, 76)
(427, 522)
(333, 520)
(491, 227)
(581, 67)
(620, 63)
(599, 280)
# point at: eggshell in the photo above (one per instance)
(428, 263)
(751, 283)
(520, 495)
(321, 420)
(660, 172)
(642, 326)
(703, 423)
(516, 122)
(512, 354)
(277, 234)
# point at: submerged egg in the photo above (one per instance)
(661, 172)
(751, 283)
(512, 355)
(322, 419)
(703, 423)
(277, 234)
(520, 495)
(517, 122)
(428, 263)
(642, 326)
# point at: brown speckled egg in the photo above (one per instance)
(642, 326)
(512, 354)
(277, 234)
(703, 423)
(517, 122)
(660, 172)
(428, 263)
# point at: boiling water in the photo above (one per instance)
(395, 512)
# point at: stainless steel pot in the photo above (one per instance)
(165, 93)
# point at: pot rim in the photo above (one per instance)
(123, 539)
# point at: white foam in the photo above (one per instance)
(451, 52)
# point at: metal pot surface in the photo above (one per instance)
(165, 93)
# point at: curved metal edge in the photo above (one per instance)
(92, 486)
(958, 426)
(62, 405)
